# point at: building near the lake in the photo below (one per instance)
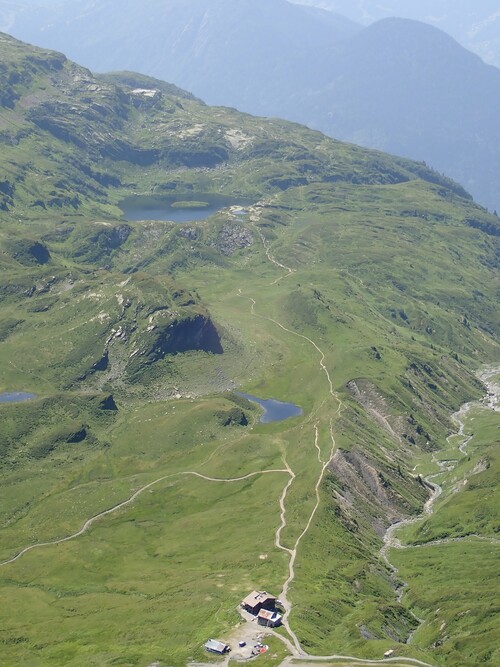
(269, 617)
(215, 646)
(258, 600)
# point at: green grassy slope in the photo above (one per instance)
(451, 558)
(103, 137)
(133, 335)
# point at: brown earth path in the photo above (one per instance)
(129, 501)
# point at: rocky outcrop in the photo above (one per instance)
(95, 246)
(195, 155)
(371, 492)
(234, 416)
(28, 251)
(6, 195)
(486, 225)
(112, 238)
(374, 403)
(233, 237)
(194, 332)
(108, 403)
(191, 333)
(402, 428)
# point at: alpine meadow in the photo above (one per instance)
(159, 256)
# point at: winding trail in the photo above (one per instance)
(293, 552)
(390, 541)
(309, 340)
(401, 661)
(294, 647)
(273, 260)
(130, 500)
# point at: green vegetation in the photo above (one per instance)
(350, 266)
(450, 582)
(189, 204)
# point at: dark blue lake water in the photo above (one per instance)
(141, 207)
(274, 411)
(16, 397)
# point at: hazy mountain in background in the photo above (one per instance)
(244, 53)
(407, 88)
(132, 335)
(474, 23)
(398, 85)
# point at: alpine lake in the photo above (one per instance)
(189, 208)
(274, 411)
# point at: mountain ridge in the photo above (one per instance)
(361, 287)
(476, 28)
(308, 73)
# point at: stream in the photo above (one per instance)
(490, 401)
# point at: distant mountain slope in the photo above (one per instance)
(103, 129)
(227, 52)
(74, 145)
(476, 25)
(399, 85)
(359, 286)
(408, 88)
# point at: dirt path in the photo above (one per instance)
(400, 662)
(273, 260)
(293, 646)
(297, 652)
(309, 340)
(293, 552)
(130, 500)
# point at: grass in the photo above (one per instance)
(141, 565)
(189, 204)
(385, 278)
(450, 585)
(150, 562)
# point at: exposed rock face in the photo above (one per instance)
(234, 416)
(368, 396)
(39, 252)
(194, 156)
(114, 237)
(401, 427)
(139, 323)
(102, 401)
(6, 195)
(102, 363)
(190, 233)
(371, 492)
(492, 228)
(29, 251)
(108, 403)
(77, 436)
(233, 237)
(192, 333)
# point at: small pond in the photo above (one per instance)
(274, 411)
(184, 208)
(16, 397)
